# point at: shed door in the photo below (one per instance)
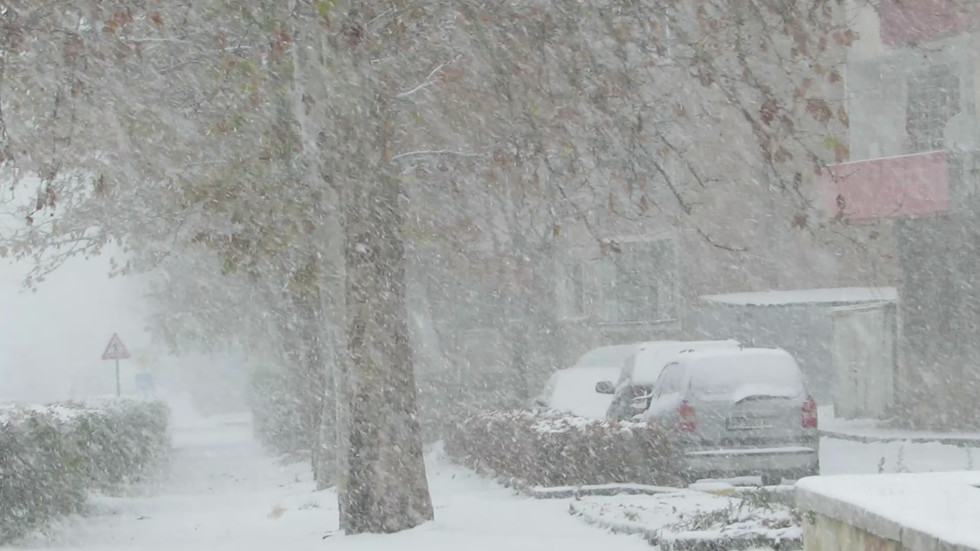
(863, 351)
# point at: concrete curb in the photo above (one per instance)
(817, 506)
(812, 502)
(737, 543)
(622, 528)
(961, 441)
(564, 492)
(522, 487)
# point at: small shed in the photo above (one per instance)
(843, 338)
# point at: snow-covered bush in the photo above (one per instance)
(283, 423)
(121, 443)
(50, 456)
(546, 448)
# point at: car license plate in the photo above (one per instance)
(748, 423)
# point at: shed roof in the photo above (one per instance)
(839, 295)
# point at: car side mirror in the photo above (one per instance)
(605, 387)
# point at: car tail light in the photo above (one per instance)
(809, 413)
(688, 418)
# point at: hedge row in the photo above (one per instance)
(51, 456)
(546, 448)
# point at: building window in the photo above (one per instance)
(933, 99)
(637, 284)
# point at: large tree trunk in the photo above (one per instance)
(383, 487)
(341, 98)
(317, 390)
(329, 462)
(326, 466)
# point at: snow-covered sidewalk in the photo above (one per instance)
(869, 431)
(852, 457)
(222, 492)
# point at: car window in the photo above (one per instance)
(629, 400)
(626, 373)
(670, 380)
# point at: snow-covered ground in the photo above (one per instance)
(223, 492)
(869, 430)
(849, 457)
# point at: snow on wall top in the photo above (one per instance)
(65, 411)
(807, 296)
(923, 511)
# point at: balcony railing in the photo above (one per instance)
(893, 187)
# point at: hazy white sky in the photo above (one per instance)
(51, 341)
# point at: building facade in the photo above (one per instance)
(912, 94)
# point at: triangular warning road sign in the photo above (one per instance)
(115, 350)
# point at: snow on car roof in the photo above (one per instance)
(840, 295)
(732, 368)
(739, 352)
(653, 356)
(681, 344)
(607, 356)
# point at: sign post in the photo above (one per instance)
(116, 350)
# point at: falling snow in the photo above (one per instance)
(382, 269)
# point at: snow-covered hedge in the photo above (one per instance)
(546, 448)
(51, 456)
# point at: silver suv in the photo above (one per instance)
(737, 411)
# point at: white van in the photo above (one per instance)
(573, 390)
